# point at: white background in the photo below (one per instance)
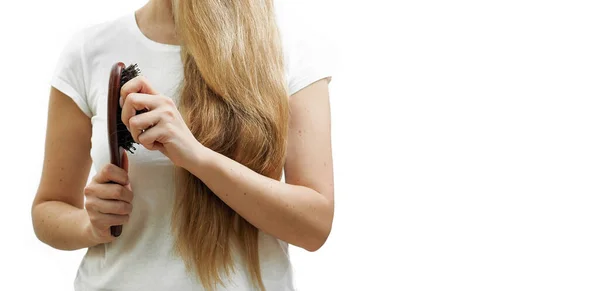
(465, 138)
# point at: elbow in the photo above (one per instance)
(316, 242)
(38, 224)
(41, 227)
(40, 235)
(320, 233)
(34, 222)
(36, 217)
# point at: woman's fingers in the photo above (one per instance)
(136, 102)
(138, 84)
(108, 192)
(108, 200)
(136, 94)
(112, 173)
(150, 138)
(108, 206)
(142, 122)
(103, 221)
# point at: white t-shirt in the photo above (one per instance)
(142, 257)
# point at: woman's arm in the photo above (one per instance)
(59, 219)
(299, 211)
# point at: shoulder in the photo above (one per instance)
(307, 53)
(98, 34)
(72, 73)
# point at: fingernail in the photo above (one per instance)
(121, 101)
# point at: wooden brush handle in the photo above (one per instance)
(116, 152)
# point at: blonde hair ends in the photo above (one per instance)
(234, 100)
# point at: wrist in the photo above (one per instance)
(89, 236)
(200, 160)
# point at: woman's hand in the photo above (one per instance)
(161, 127)
(108, 201)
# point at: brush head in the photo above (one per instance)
(124, 138)
(129, 73)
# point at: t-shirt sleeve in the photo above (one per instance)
(69, 77)
(307, 51)
(306, 65)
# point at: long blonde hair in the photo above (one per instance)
(234, 100)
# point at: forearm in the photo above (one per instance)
(295, 214)
(61, 225)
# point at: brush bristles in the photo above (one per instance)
(129, 73)
(124, 137)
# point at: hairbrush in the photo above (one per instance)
(119, 138)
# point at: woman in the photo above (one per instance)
(232, 104)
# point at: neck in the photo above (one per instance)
(156, 21)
